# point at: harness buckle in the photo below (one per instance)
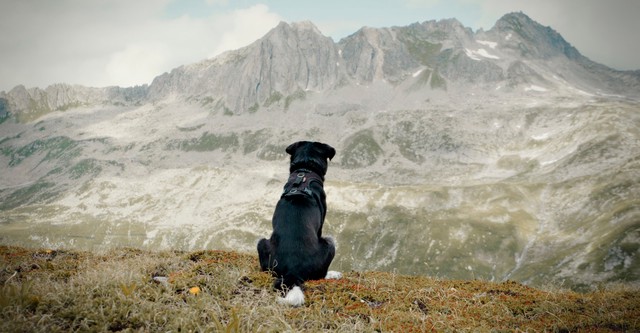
(299, 179)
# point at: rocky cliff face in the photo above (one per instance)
(291, 58)
(29, 104)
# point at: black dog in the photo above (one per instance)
(296, 251)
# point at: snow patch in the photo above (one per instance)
(533, 87)
(417, 73)
(544, 163)
(540, 137)
(488, 43)
(484, 53)
(608, 95)
(508, 37)
(475, 55)
(582, 92)
(471, 54)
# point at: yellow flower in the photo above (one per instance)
(194, 290)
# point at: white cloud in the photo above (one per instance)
(245, 26)
(115, 42)
(137, 64)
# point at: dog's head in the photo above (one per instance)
(310, 155)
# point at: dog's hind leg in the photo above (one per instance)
(331, 251)
(264, 254)
(329, 246)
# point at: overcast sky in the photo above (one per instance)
(129, 42)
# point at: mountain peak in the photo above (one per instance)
(535, 39)
(517, 17)
(296, 27)
(305, 25)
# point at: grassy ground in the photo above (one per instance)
(216, 291)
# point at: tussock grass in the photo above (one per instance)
(217, 291)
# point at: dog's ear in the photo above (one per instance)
(326, 150)
(293, 147)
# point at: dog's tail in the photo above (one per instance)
(293, 287)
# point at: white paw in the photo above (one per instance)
(333, 275)
(295, 297)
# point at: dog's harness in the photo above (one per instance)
(299, 183)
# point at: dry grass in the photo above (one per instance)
(63, 291)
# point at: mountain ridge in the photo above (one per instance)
(293, 58)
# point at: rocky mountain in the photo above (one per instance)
(292, 59)
(30, 104)
(517, 53)
(499, 154)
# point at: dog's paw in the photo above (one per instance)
(295, 297)
(333, 275)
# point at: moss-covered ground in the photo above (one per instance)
(46, 290)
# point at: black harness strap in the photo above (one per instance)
(299, 182)
(299, 186)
